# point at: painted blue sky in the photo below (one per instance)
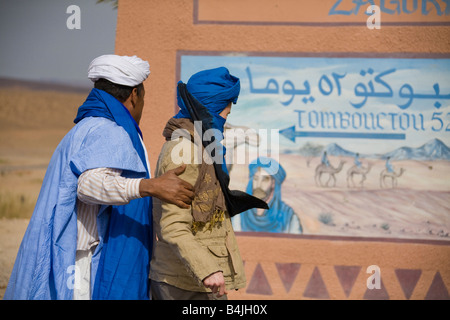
(331, 83)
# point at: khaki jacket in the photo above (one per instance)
(185, 253)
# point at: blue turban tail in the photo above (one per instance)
(206, 94)
(124, 263)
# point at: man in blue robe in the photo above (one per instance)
(265, 178)
(388, 165)
(106, 135)
(324, 159)
(357, 161)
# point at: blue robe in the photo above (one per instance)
(389, 166)
(105, 137)
(357, 162)
(324, 160)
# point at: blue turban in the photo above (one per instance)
(214, 89)
(271, 166)
(279, 215)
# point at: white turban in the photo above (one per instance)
(124, 70)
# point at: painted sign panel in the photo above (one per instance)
(321, 13)
(346, 146)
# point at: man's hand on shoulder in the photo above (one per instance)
(169, 188)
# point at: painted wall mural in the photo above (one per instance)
(339, 146)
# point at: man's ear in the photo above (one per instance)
(134, 97)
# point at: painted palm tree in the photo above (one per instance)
(115, 3)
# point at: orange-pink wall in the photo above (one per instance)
(305, 267)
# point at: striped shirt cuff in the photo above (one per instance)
(132, 189)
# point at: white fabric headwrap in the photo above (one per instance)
(124, 70)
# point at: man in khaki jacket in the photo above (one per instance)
(195, 253)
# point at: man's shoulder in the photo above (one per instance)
(97, 123)
(179, 149)
(177, 152)
(101, 143)
(100, 127)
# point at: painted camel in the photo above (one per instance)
(330, 170)
(392, 175)
(355, 170)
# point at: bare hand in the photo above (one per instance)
(169, 188)
(216, 283)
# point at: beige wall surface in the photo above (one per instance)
(302, 266)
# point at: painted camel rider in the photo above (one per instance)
(357, 162)
(389, 166)
(324, 159)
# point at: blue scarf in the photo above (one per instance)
(125, 257)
